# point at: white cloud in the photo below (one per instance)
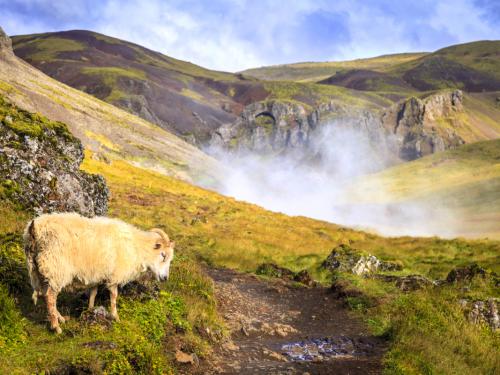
(237, 34)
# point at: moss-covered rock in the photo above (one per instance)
(39, 166)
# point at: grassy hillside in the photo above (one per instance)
(102, 128)
(464, 183)
(317, 71)
(427, 330)
(177, 95)
(156, 87)
(207, 226)
(472, 66)
(226, 232)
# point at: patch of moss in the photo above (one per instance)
(9, 189)
(30, 124)
(111, 72)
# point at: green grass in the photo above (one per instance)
(226, 232)
(311, 94)
(49, 49)
(427, 329)
(148, 326)
(316, 71)
(192, 94)
(482, 56)
(110, 76)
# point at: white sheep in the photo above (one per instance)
(69, 250)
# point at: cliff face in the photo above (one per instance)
(414, 126)
(39, 166)
(418, 124)
(269, 126)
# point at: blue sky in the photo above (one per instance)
(237, 34)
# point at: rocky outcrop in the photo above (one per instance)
(408, 130)
(343, 258)
(465, 273)
(275, 126)
(5, 45)
(267, 126)
(273, 270)
(39, 166)
(414, 122)
(482, 312)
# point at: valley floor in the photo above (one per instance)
(281, 328)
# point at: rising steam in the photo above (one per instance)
(320, 182)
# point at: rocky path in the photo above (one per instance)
(278, 328)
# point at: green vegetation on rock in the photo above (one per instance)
(30, 124)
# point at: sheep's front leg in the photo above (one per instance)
(53, 314)
(93, 293)
(113, 295)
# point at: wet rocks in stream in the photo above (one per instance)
(319, 349)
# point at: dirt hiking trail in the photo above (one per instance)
(279, 328)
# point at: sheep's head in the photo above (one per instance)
(163, 253)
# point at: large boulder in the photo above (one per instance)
(39, 166)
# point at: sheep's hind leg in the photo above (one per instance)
(113, 294)
(93, 293)
(53, 314)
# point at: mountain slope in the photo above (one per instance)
(103, 128)
(316, 71)
(174, 94)
(462, 185)
(471, 66)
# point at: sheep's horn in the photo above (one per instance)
(161, 233)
